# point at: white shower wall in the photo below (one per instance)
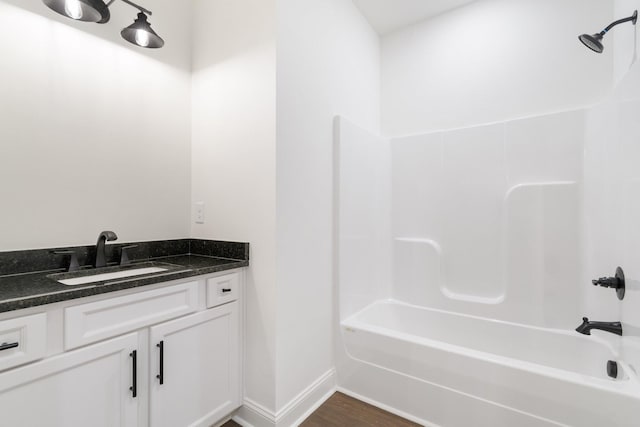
(612, 210)
(482, 220)
(363, 192)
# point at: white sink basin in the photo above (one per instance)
(109, 276)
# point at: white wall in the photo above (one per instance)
(95, 132)
(328, 65)
(234, 159)
(623, 41)
(490, 61)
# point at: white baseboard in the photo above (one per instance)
(307, 401)
(252, 414)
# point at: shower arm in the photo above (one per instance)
(633, 18)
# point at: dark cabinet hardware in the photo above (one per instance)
(617, 282)
(7, 346)
(134, 379)
(225, 290)
(160, 375)
(73, 261)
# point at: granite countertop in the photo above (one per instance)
(23, 289)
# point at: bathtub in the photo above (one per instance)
(448, 369)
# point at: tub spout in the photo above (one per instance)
(586, 327)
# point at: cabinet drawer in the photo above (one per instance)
(22, 340)
(222, 289)
(95, 321)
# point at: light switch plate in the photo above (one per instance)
(199, 209)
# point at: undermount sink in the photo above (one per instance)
(108, 276)
(84, 277)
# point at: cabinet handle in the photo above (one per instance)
(134, 380)
(7, 346)
(225, 290)
(160, 376)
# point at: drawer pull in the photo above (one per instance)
(225, 290)
(160, 375)
(134, 379)
(7, 346)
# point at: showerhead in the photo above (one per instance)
(593, 42)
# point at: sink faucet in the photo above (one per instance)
(587, 326)
(105, 236)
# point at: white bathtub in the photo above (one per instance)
(449, 369)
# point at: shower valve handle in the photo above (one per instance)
(607, 282)
(617, 283)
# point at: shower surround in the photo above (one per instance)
(464, 265)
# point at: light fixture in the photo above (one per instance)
(81, 10)
(138, 33)
(141, 34)
(594, 41)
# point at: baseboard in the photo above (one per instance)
(252, 414)
(307, 401)
(387, 408)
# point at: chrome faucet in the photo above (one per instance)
(587, 326)
(101, 259)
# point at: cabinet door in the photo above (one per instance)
(199, 369)
(86, 387)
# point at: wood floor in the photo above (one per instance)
(343, 411)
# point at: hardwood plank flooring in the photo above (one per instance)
(341, 410)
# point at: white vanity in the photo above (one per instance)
(167, 354)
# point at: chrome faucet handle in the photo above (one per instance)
(124, 256)
(73, 262)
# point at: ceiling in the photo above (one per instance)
(389, 15)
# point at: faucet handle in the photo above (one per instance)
(607, 282)
(617, 282)
(124, 256)
(73, 262)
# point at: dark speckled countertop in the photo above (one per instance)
(26, 276)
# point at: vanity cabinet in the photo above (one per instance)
(195, 361)
(85, 387)
(159, 357)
